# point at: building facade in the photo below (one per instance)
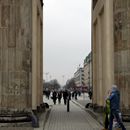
(21, 58)
(79, 77)
(111, 49)
(88, 71)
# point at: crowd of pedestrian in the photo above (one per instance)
(58, 95)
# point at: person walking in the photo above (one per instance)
(65, 95)
(115, 107)
(59, 96)
(90, 94)
(48, 94)
(54, 97)
(75, 95)
(107, 111)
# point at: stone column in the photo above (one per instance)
(41, 64)
(99, 62)
(94, 53)
(39, 42)
(34, 54)
(108, 60)
(38, 55)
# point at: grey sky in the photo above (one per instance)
(67, 37)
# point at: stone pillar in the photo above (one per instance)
(94, 59)
(37, 54)
(34, 55)
(108, 49)
(41, 62)
(99, 63)
(15, 56)
(102, 50)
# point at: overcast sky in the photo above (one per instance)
(67, 37)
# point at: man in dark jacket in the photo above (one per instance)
(115, 107)
(65, 95)
(54, 97)
(59, 96)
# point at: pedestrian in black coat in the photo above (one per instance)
(65, 95)
(54, 97)
(59, 96)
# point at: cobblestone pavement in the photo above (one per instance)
(76, 119)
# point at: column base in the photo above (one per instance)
(97, 108)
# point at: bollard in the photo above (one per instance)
(68, 105)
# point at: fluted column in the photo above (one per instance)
(34, 54)
(108, 53)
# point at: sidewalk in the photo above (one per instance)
(76, 119)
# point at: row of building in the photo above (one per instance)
(83, 75)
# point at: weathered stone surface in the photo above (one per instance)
(5, 60)
(5, 36)
(0, 38)
(16, 41)
(0, 50)
(18, 60)
(5, 9)
(12, 27)
(4, 90)
(3, 2)
(0, 85)
(0, 15)
(0, 59)
(122, 49)
(12, 1)
(12, 56)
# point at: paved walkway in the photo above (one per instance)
(76, 119)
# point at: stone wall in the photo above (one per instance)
(122, 49)
(15, 54)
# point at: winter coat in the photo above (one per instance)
(107, 111)
(114, 99)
